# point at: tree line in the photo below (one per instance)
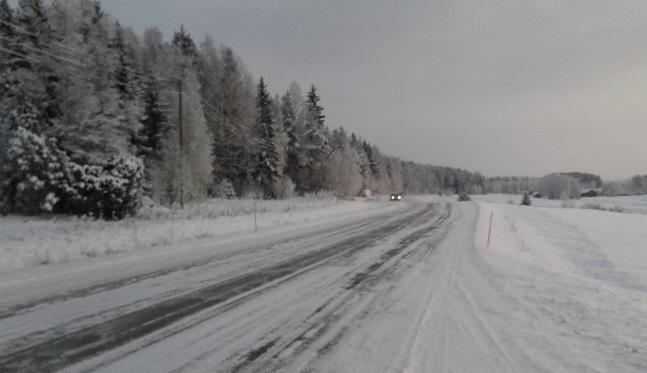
(566, 184)
(94, 116)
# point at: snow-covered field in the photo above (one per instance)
(628, 204)
(27, 242)
(573, 282)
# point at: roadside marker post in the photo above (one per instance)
(489, 233)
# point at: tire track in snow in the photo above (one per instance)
(302, 337)
(324, 332)
(68, 348)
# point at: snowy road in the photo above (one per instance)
(292, 304)
(408, 289)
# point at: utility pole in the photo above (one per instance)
(180, 135)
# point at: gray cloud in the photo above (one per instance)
(500, 86)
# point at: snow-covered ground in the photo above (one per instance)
(27, 242)
(572, 283)
(409, 286)
(627, 204)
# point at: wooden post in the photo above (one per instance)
(489, 233)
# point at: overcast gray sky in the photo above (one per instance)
(505, 87)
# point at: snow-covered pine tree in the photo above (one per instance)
(266, 170)
(316, 149)
(342, 172)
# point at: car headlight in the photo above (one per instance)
(399, 197)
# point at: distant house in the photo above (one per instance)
(590, 193)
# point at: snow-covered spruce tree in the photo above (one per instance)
(230, 145)
(155, 121)
(184, 42)
(129, 88)
(338, 139)
(316, 149)
(153, 132)
(266, 171)
(283, 187)
(290, 126)
(28, 103)
(363, 162)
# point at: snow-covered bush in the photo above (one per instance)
(567, 203)
(225, 189)
(41, 178)
(33, 173)
(598, 206)
(525, 200)
(283, 188)
(111, 189)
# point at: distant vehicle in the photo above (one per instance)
(463, 197)
(396, 197)
(538, 195)
(589, 193)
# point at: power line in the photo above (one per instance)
(81, 54)
(42, 51)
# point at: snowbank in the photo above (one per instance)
(28, 242)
